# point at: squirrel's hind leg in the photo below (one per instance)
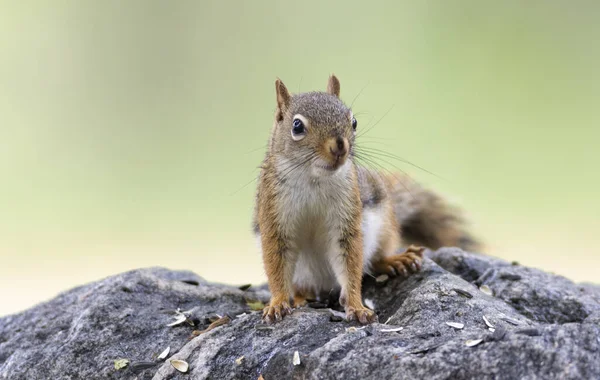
(386, 260)
(301, 296)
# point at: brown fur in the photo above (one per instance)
(352, 249)
(412, 215)
(425, 218)
(279, 273)
(333, 86)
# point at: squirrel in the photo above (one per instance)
(323, 220)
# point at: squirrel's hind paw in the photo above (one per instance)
(401, 264)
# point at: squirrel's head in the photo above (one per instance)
(313, 128)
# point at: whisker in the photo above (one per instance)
(287, 171)
(244, 186)
(290, 171)
(360, 92)
(384, 153)
(379, 167)
(374, 125)
(375, 157)
(257, 149)
(376, 138)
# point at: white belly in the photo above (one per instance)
(372, 223)
(319, 254)
(310, 211)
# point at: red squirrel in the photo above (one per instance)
(323, 220)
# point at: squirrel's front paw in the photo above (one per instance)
(275, 311)
(362, 314)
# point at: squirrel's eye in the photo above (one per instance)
(298, 130)
(354, 123)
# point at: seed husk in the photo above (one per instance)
(427, 349)
(337, 313)
(487, 322)
(239, 360)
(179, 319)
(140, 366)
(463, 293)
(473, 342)
(510, 277)
(456, 325)
(164, 354)
(180, 365)
(296, 359)
(392, 330)
(121, 363)
(487, 290)
(511, 321)
(353, 329)
(382, 278)
(529, 332)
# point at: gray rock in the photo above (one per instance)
(545, 327)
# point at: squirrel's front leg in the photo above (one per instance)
(348, 266)
(279, 264)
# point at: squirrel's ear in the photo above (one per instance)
(333, 87)
(283, 97)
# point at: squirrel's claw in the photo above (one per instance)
(276, 312)
(402, 264)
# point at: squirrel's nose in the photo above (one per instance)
(339, 148)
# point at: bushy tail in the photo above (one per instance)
(427, 219)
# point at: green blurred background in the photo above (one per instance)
(128, 129)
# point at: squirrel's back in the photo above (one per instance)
(422, 216)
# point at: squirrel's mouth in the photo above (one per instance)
(330, 166)
(333, 154)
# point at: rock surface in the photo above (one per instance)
(545, 327)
